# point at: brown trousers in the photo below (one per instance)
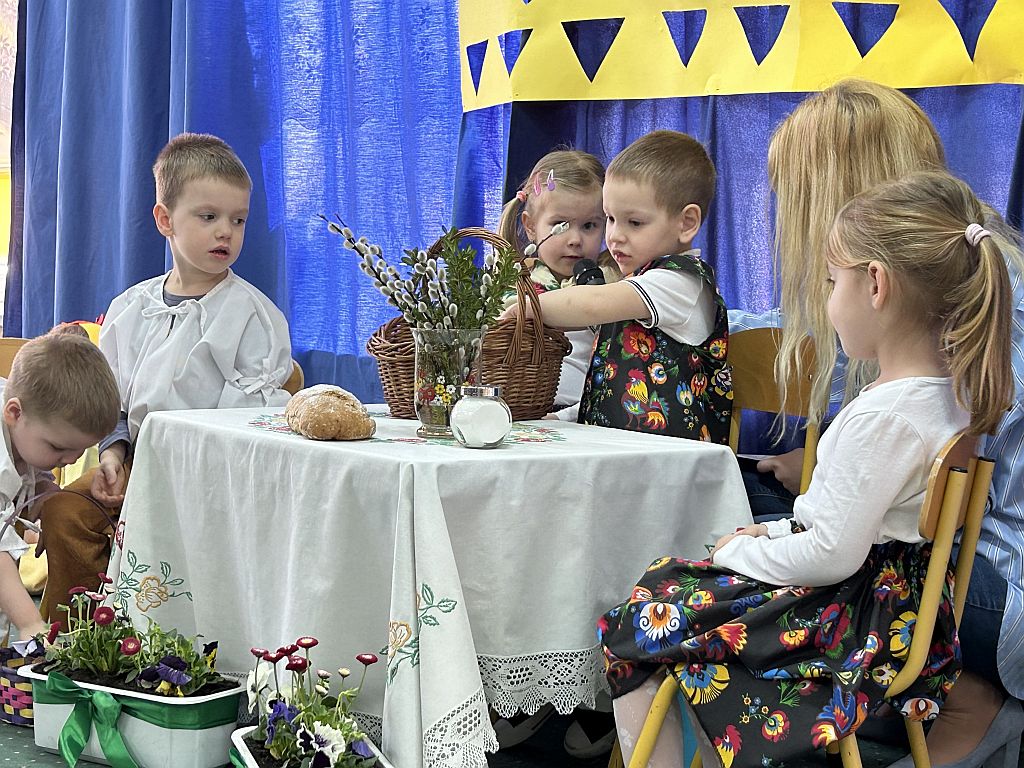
(77, 533)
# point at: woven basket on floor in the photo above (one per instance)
(15, 690)
(521, 356)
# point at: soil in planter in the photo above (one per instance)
(111, 681)
(263, 757)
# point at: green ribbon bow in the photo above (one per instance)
(92, 708)
(100, 710)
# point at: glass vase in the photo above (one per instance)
(445, 361)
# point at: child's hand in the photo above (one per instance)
(513, 311)
(758, 529)
(109, 481)
(787, 468)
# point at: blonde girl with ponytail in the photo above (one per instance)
(916, 283)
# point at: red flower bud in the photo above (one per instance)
(54, 631)
(77, 591)
(288, 650)
(297, 664)
(259, 653)
(104, 578)
(104, 615)
(273, 658)
(366, 659)
(130, 646)
(307, 642)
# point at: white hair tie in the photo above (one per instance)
(975, 233)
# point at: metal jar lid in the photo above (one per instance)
(483, 391)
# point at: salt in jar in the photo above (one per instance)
(480, 418)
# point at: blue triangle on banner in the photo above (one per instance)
(866, 22)
(591, 39)
(685, 28)
(762, 25)
(476, 53)
(970, 18)
(512, 44)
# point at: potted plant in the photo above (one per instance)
(301, 725)
(109, 692)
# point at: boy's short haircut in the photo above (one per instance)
(61, 376)
(675, 164)
(193, 156)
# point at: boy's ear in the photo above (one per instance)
(162, 217)
(12, 411)
(689, 223)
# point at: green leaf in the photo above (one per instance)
(429, 620)
(447, 605)
(427, 593)
(165, 568)
(131, 558)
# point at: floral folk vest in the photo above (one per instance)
(643, 380)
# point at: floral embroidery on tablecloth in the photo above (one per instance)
(148, 590)
(521, 433)
(403, 641)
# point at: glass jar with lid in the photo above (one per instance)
(480, 418)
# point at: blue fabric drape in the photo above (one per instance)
(347, 106)
(352, 106)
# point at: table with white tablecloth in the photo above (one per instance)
(478, 575)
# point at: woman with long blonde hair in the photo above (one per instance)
(835, 145)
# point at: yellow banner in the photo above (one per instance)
(516, 50)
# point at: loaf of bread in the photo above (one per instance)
(326, 412)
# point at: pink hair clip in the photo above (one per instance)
(536, 184)
(521, 195)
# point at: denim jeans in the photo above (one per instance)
(982, 620)
(769, 499)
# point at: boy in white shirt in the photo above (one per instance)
(197, 337)
(59, 399)
(659, 362)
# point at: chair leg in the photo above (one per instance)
(918, 746)
(615, 758)
(663, 699)
(849, 751)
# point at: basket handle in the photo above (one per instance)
(524, 292)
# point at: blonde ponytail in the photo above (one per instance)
(948, 273)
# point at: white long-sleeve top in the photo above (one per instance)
(228, 349)
(867, 487)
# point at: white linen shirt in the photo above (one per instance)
(228, 349)
(867, 487)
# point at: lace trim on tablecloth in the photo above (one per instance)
(462, 737)
(566, 679)
(372, 725)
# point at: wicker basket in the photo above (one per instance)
(521, 356)
(15, 690)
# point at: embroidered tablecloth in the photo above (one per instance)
(478, 575)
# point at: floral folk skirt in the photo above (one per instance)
(774, 672)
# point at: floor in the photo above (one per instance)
(542, 751)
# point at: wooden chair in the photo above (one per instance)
(955, 497)
(296, 380)
(8, 349)
(752, 355)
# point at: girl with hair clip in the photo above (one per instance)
(563, 187)
(919, 285)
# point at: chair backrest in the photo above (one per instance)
(752, 355)
(296, 380)
(8, 349)
(955, 497)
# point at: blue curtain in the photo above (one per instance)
(352, 106)
(342, 106)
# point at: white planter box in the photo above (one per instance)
(151, 746)
(238, 739)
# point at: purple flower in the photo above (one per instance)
(279, 710)
(172, 670)
(362, 749)
(149, 677)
